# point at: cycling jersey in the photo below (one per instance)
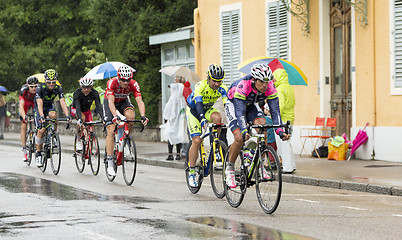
(120, 94)
(83, 103)
(27, 97)
(243, 95)
(203, 98)
(43, 92)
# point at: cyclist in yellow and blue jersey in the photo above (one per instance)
(200, 111)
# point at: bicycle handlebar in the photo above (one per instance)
(93, 123)
(135, 120)
(212, 125)
(266, 126)
(58, 119)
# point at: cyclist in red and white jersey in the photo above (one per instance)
(26, 101)
(117, 99)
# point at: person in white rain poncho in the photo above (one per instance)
(174, 113)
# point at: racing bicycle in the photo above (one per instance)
(30, 138)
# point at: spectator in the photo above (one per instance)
(286, 98)
(186, 92)
(174, 113)
(3, 114)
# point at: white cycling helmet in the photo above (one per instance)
(86, 82)
(125, 73)
(262, 72)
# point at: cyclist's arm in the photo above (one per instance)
(141, 105)
(240, 113)
(98, 104)
(77, 104)
(64, 106)
(273, 104)
(21, 108)
(112, 107)
(39, 104)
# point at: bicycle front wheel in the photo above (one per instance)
(198, 169)
(55, 153)
(110, 177)
(30, 146)
(129, 160)
(44, 161)
(235, 196)
(94, 154)
(79, 155)
(268, 177)
(216, 169)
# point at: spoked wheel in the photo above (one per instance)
(79, 155)
(110, 177)
(129, 160)
(44, 161)
(216, 169)
(198, 169)
(235, 196)
(94, 155)
(55, 153)
(30, 147)
(268, 177)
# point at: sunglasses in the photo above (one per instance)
(51, 82)
(32, 86)
(125, 80)
(89, 87)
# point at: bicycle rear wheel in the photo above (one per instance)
(55, 153)
(268, 188)
(216, 169)
(235, 196)
(110, 177)
(79, 156)
(30, 146)
(94, 154)
(129, 160)
(198, 169)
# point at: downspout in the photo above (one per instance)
(375, 79)
(196, 41)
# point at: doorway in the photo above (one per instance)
(341, 85)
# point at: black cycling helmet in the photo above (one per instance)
(32, 80)
(215, 72)
(50, 75)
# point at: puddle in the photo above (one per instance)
(18, 183)
(246, 231)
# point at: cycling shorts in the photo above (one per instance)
(46, 110)
(252, 113)
(87, 114)
(27, 105)
(194, 124)
(120, 106)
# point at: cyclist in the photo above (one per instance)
(200, 111)
(44, 107)
(26, 101)
(82, 101)
(242, 107)
(116, 99)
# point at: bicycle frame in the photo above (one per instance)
(206, 162)
(88, 126)
(126, 133)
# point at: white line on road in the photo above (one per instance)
(397, 215)
(93, 235)
(355, 208)
(306, 200)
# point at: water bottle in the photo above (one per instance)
(248, 156)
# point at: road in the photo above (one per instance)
(158, 205)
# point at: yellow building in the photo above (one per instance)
(350, 53)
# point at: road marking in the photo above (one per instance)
(93, 235)
(397, 215)
(306, 200)
(355, 208)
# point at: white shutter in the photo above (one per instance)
(398, 43)
(277, 30)
(230, 45)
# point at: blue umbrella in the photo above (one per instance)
(105, 70)
(3, 89)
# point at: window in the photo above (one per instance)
(277, 30)
(169, 54)
(181, 52)
(397, 58)
(230, 23)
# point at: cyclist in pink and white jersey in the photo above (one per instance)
(117, 99)
(242, 108)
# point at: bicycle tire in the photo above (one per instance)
(235, 196)
(44, 162)
(110, 177)
(269, 190)
(30, 146)
(216, 170)
(79, 156)
(55, 149)
(94, 159)
(129, 160)
(198, 168)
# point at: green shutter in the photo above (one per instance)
(230, 45)
(398, 43)
(277, 30)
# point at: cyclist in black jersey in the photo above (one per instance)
(83, 98)
(44, 107)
